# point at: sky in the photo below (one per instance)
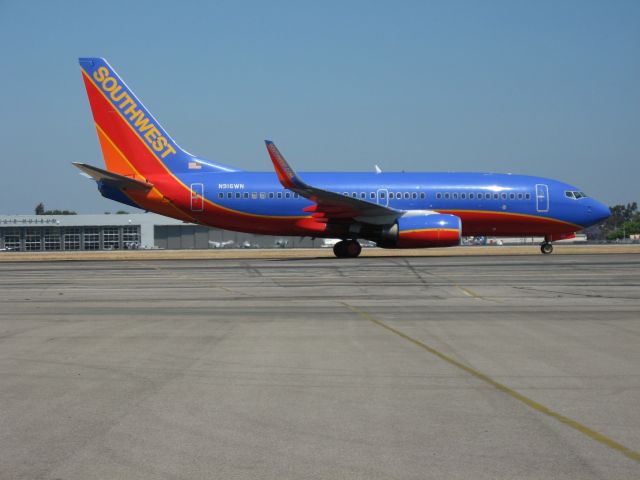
(548, 88)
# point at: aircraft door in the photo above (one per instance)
(542, 198)
(382, 195)
(197, 197)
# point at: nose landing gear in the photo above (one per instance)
(347, 249)
(546, 248)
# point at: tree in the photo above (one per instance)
(41, 211)
(620, 223)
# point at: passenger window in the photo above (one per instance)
(262, 195)
(438, 195)
(528, 196)
(254, 195)
(496, 196)
(471, 196)
(221, 195)
(382, 195)
(512, 196)
(354, 194)
(455, 196)
(246, 195)
(391, 195)
(446, 196)
(372, 195)
(406, 195)
(422, 195)
(414, 195)
(279, 194)
(287, 195)
(519, 196)
(295, 195)
(363, 195)
(229, 195)
(463, 196)
(237, 194)
(487, 196)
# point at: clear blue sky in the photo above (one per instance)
(548, 88)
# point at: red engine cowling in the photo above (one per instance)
(424, 231)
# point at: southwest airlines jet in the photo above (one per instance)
(146, 169)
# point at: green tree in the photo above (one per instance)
(620, 215)
(627, 228)
(40, 209)
(59, 212)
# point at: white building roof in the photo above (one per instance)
(86, 220)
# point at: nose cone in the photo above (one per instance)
(598, 212)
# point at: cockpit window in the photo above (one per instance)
(575, 195)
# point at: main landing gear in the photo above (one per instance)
(347, 249)
(546, 248)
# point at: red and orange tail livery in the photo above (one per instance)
(133, 142)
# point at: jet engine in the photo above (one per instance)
(423, 231)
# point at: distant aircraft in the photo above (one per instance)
(329, 242)
(148, 170)
(222, 244)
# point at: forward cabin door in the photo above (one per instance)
(197, 197)
(542, 198)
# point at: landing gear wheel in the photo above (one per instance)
(339, 249)
(347, 249)
(546, 248)
(353, 248)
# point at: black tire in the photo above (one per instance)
(546, 248)
(353, 248)
(347, 249)
(340, 250)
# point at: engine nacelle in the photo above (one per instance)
(423, 231)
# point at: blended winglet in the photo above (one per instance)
(328, 204)
(286, 175)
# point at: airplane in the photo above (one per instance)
(222, 244)
(146, 169)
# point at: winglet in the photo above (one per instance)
(286, 175)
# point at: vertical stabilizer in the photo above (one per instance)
(133, 142)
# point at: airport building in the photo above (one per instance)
(126, 231)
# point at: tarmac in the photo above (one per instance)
(309, 367)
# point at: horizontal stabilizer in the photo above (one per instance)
(113, 179)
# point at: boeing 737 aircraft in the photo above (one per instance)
(146, 169)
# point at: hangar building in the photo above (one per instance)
(126, 231)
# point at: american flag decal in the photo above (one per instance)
(194, 166)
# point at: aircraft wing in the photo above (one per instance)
(329, 205)
(113, 179)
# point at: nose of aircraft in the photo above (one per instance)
(598, 211)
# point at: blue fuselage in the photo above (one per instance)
(488, 203)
